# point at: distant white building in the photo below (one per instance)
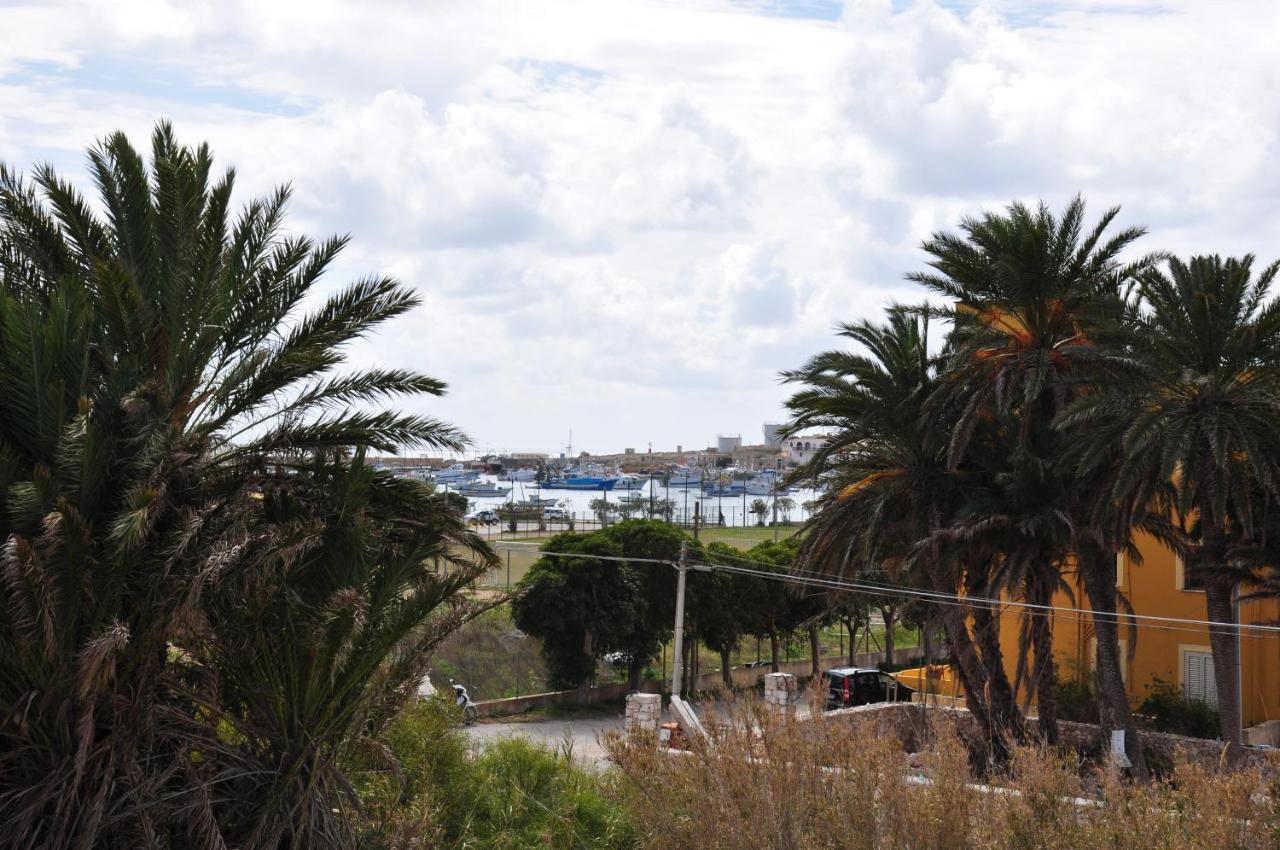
(726, 445)
(772, 438)
(801, 448)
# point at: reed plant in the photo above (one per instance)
(758, 781)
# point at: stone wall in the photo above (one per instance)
(743, 677)
(911, 724)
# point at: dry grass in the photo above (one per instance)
(763, 783)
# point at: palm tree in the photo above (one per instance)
(889, 488)
(1197, 412)
(1026, 285)
(166, 400)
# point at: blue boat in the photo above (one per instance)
(574, 481)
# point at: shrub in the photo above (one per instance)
(838, 782)
(427, 789)
(1077, 702)
(1166, 709)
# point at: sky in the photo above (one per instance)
(624, 218)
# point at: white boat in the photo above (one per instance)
(521, 475)
(482, 490)
(629, 482)
(685, 477)
(456, 474)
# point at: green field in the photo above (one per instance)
(516, 559)
(745, 538)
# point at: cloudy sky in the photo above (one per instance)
(625, 217)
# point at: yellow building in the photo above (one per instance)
(1177, 653)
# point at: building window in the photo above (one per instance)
(1197, 675)
(1189, 583)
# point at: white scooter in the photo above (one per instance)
(469, 711)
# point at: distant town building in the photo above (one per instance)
(726, 445)
(757, 457)
(772, 435)
(801, 448)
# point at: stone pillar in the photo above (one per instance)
(643, 712)
(780, 694)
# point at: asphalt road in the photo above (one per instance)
(579, 732)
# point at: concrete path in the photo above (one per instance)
(581, 732)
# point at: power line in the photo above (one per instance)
(1064, 613)
(865, 586)
(1082, 615)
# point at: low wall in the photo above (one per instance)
(911, 722)
(743, 677)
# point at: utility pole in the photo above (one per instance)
(697, 518)
(677, 656)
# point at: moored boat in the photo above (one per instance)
(483, 489)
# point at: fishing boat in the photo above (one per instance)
(521, 475)
(723, 490)
(685, 477)
(537, 502)
(482, 490)
(629, 482)
(578, 480)
(456, 474)
(765, 483)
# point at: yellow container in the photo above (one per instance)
(931, 680)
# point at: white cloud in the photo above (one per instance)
(625, 217)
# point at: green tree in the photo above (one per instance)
(760, 509)
(580, 604)
(785, 506)
(169, 410)
(770, 608)
(663, 509)
(646, 541)
(603, 509)
(1196, 411)
(715, 605)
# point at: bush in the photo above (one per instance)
(1077, 702)
(510, 794)
(839, 782)
(1166, 709)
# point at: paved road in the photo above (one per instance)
(581, 731)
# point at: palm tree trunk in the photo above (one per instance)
(1220, 605)
(773, 649)
(1001, 700)
(1097, 568)
(725, 675)
(1045, 671)
(851, 626)
(815, 651)
(964, 658)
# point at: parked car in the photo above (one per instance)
(485, 517)
(558, 514)
(850, 686)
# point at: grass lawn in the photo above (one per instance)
(745, 538)
(517, 559)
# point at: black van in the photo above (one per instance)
(850, 686)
